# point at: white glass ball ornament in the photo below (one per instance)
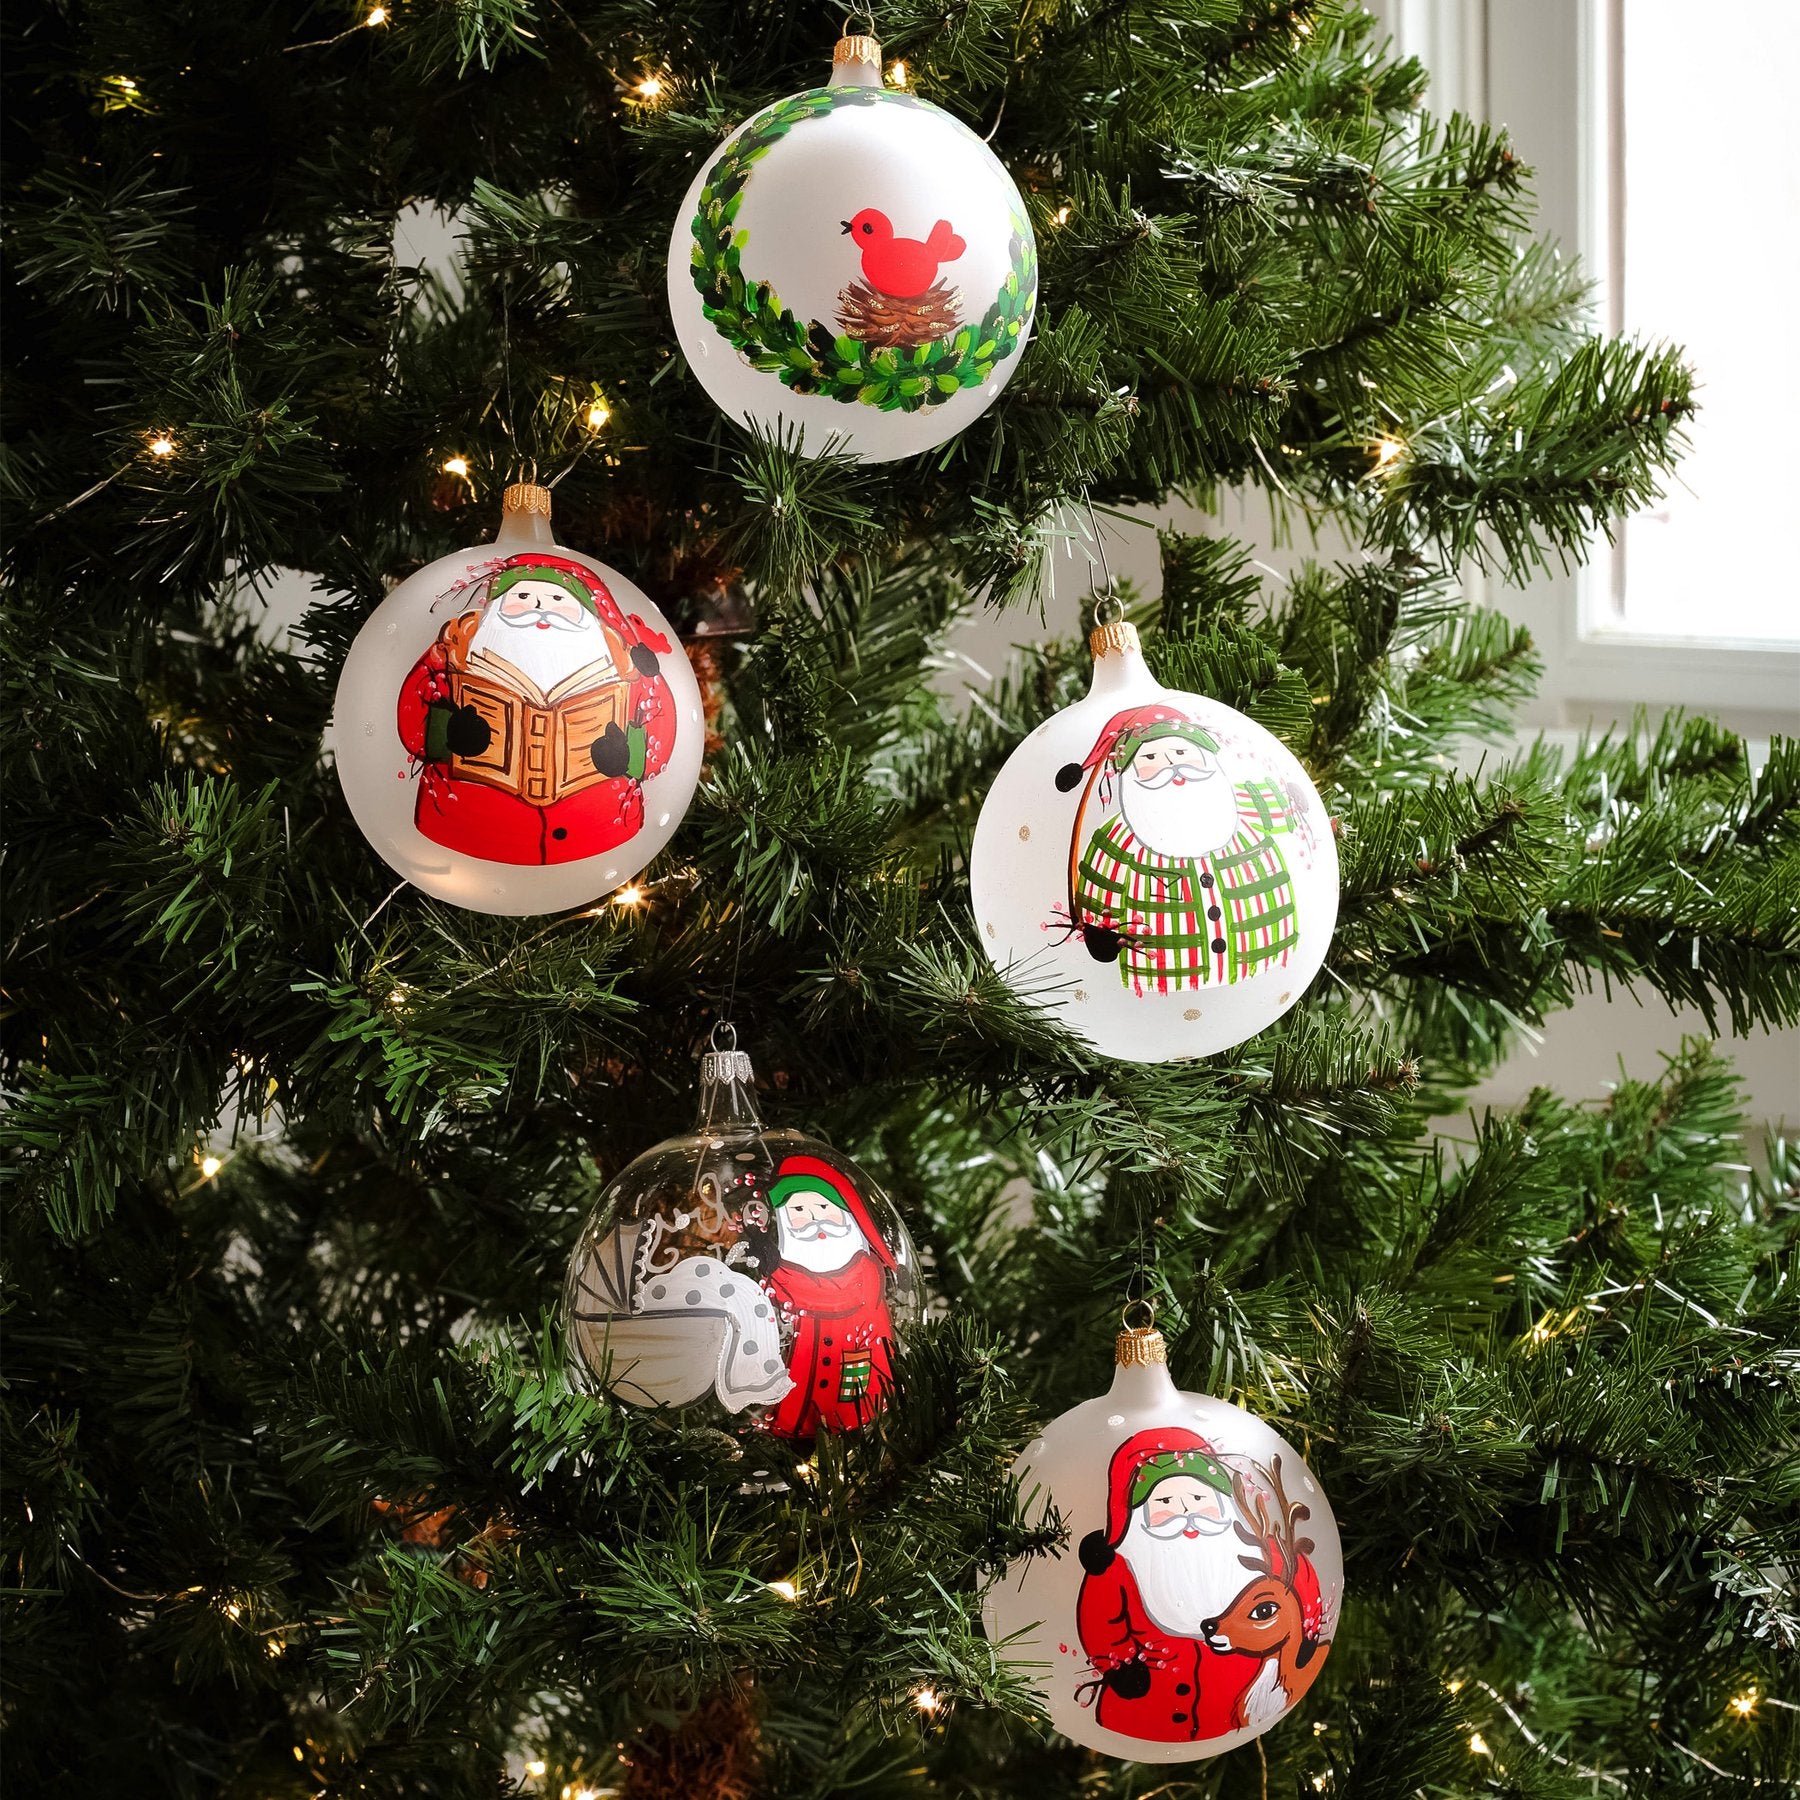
(1198, 1594)
(517, 728)
(1154, 868)
(758, 1275)
(853, 270)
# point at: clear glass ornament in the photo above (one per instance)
(517, 729)
(853, 269)
(756, 1274)
(1153, 867)
(1198, 1594)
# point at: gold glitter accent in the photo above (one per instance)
(1119, 638)
(1193, 1012)
(1140, 1346)
(857, 50)
(1024, 834)
(526, 497)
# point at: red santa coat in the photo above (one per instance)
(840, 1359)
(1150, 1684)
(490, 822)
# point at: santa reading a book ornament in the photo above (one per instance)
(536, 717)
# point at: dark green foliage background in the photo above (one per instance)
(1548, 1376)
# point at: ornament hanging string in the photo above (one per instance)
(728, 1011)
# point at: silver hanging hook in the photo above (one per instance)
(723, 1026)
(1111, 596)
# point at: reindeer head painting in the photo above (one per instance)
(1277, 1619)
(1200, 1612)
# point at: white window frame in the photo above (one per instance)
(1546, 69)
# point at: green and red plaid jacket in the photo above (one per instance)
(1184, 921)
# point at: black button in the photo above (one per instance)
(828, 1343)
(1179, 1718)
(561, 832)
(824, 1383)
(1206, 881)
(1218, 946)
(1212, 912)
(1181, 1687)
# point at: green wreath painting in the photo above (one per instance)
(899, 341)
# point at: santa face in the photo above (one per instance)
(817, 1233)
(1177, 799)
(541, 628)
(1182, 1554)
(1184, 1506)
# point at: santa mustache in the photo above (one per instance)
(1178, 773)
(1186, 1525)
(556, 620)
(822, 1228)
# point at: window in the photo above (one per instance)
(1703, 216)
(1667, 157)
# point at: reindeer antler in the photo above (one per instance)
(1274, 1531)
(1291, 1513)
(1252, 1503)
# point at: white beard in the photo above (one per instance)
(548, 655)
(823, 1255)
(1184, 1581)
(1190, 818)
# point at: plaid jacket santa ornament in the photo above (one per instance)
(1181, 881)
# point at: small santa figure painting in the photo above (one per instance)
(1200, 1613)
(1177, 875)
(536, 716)
(830, 1282)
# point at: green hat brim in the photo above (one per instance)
(785, 1189)
(1177, 1462)
(1133, 742)
(508, 579)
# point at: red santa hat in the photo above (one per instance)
(1126, 732)
(582, 584)
(1151, 1457)
(811, 1174)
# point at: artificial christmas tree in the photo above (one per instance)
(301, 1492)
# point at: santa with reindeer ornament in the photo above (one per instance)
(1200, 1613)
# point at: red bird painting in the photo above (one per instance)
(901, 268)
(902, 301)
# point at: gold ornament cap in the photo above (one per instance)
(865, 51)
(1139, 1346)
(526, 497)
(1115, 637)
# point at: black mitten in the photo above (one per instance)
(611, 752)
(468, 733)
(1130, 1681)
(455, 731)
(1102, 942)
(1096, 1553)
(643, 659)
(1068, 776)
